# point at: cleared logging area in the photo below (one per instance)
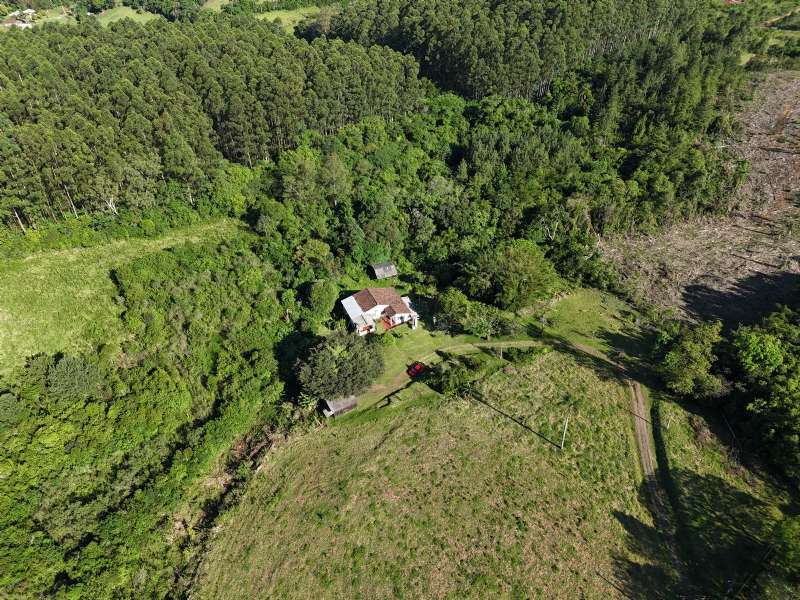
(737, 267)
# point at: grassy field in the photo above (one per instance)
(65, 300)
(215, 5)
(289, 18)
(56, 14)
(436, 498)
(125, 12)
(591, 318)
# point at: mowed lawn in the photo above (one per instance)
(435, 498)
(65, 300)
(584, 317)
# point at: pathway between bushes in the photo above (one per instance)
(401, 379)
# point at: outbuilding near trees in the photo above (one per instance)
(384, 270)
(339, 406)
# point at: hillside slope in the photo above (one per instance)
(64, 300)
(435, 498)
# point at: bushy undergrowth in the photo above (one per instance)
(101, 452)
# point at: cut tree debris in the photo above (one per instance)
(735, 267)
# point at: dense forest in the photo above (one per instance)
(92, 129)
(85, 436)
(103, 117)
(534, 129)
(529, 49)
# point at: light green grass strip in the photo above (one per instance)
(65, 300)
(124, 12)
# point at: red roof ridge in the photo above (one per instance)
(369, 298)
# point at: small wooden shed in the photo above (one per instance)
(339, 406)
(384, 270)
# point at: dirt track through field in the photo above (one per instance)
(638, 410)
(642, 427)
(643, 433)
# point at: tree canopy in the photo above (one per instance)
(341, 365)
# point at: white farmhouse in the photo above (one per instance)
(371, 305)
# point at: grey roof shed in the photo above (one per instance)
(384, 270)
(340, 406)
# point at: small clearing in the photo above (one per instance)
(65, 300)
(125, 12)
(737, 267)
(289, 19)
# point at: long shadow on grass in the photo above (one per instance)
(718, 544)
(587, 357)
(478, 397)
(626, 359)
(725, 533)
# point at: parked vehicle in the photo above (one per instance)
(415, 370)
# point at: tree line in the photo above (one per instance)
(342, 145)
(527, 49)
(95, 119)
(751, 373)
(97, 450)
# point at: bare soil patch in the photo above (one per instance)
(737, 267)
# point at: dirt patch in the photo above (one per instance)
(736, 267)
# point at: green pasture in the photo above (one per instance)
(66, 300)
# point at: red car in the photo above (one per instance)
(415, 370)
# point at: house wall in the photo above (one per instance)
(376, 312)
(365, 329)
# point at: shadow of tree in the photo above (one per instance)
(751, 298)
(653, 573)
(627, 357)
(287, 351)
(583, 355)
(722, 541)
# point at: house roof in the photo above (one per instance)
(384, 270)
(354, 311)
(371, 297)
